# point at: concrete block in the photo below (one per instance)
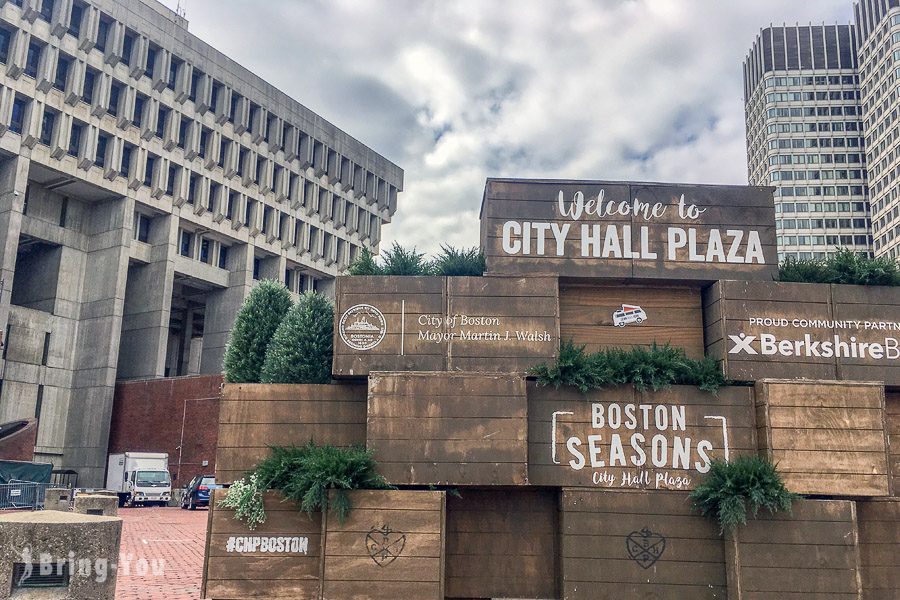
(97, 504)
(31, 539)
(58, 499)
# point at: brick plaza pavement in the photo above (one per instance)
(162, 553)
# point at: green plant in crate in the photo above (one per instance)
(306, 475)
(254, 326)
(454, 262)
(732, 488)
(301, 349)
(654, 368)
(844, 266)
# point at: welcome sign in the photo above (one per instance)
(608, 229)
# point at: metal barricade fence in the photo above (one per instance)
(22, 495)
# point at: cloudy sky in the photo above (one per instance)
(457, 91)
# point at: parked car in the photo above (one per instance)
(197, 492)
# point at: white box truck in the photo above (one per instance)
(140, 478)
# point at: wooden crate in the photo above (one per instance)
(811, 552)
(645, 246)
(448, 428)
(560, 422)
(504, 324)
(674, 315)
(892, 416)
(390, 546)
(503, 543)
(262, 574)
(805, 318)
(827, 437)
(879, 547)
(631, 544)
(255, 416)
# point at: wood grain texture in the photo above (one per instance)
(448, 428)
(503, 543)
(550, 457)
(892, 421)
(236, 575)
(535, 201)
(414, 522)
(811, 552)
(863, 321)
(674, 316)
(879, 547)
(505, 324)
(254, 417)
(827, 437)
(595, 559)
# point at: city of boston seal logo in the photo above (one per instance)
(362, 327)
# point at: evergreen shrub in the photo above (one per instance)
(254, 326)
(302, 348)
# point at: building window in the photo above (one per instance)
(256, 265)
(47, 9)
(115, 92)
(63, 211)
(128, 46)
(75, 138)
(173, 72)
(39, 402)
(102, 143)
(17, 118)
(229, 209)
(148, 171)
(45, 354)
(185, 246)
(5, 38)
(32, 59)
(213, 194)
(103, 32)
(161, 118)
(224, 145)
(48, 121)
(260, 168)
(223, 257)
(90, 78)
(138, 116)
(192, 188)
(182, 132)
(204, 251)
(127, 153)
(152, 53)
(75, 18)
(214, 95)
(6, 340)
(195, 81)
(63, 64)
(204, 139)
(232, 113)
(170, 179)
(142, 229)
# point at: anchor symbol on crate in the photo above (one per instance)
(385, 545)
(645, 547)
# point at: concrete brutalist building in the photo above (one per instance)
(146, 182)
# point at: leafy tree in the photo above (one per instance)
(254, 326)
(301, 349)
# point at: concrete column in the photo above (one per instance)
(222, 306)
(96, 351)
(148, 305)
(13, 179)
